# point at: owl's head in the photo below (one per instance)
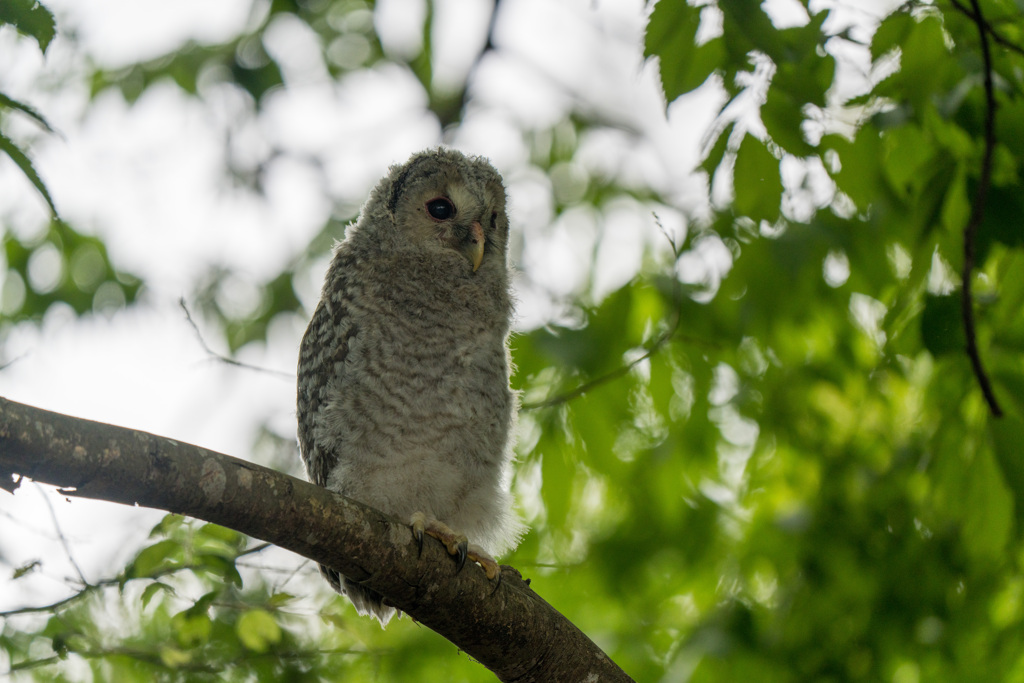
(439, 203)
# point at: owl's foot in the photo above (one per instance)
(457, 544)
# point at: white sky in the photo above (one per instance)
(147, 178)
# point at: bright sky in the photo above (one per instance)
(148, 179)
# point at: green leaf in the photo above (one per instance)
(806, 81)
(942, 325)
(153, 559)
(25, 164)
(558, 465)
(571, 348)
(219, 535)
(258, 80)
(26, 569)
(151, 591)
(891, 33)
(908, 152)
(956, 208)
(280, 599)
(192, 627)
(671, 36)
(1008, 441)
(924, 65)
(988, 509)
(749, 26)
(783, 119)
(1006, 313)
(168, 525)
(11, 103)
(713, 161)
(219, 566)
(859, 175)
(258, 630)
(30, 18)
(173, 658)
(1003, 221)
(757, 181)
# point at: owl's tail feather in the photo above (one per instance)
(366, 601)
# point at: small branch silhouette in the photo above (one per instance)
(652, 349)
(981, 21)
(60, 536)
(977, 215)
(225, 359)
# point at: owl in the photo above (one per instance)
(403, 377)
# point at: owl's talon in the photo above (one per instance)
(417, 523)
(457, 544)
(461, 552)
(486, 562)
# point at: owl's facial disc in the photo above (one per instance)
(467, 241)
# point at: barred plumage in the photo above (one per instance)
(403, 379)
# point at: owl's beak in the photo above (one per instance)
(475, 245)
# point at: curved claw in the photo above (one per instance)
(461, 552)
(418, 525)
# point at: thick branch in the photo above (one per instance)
(510, 630)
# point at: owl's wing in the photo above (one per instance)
(321, 360)
(321, 357)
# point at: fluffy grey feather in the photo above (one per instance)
(403, 379)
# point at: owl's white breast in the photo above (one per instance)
(419, 411)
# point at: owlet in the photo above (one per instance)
(403, 379)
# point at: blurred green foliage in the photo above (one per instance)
(787, 475)
(70, 268)
(31, 19)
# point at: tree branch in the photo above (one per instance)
(977, 214)
(981, 21)
(509, 629)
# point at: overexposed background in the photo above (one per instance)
(148, 178)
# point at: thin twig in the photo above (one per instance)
(53, 605)
(225, 359)
(598, 381)
(61, 537)
(117, 581)
(651, 350)
(977, 214)
(4, 366)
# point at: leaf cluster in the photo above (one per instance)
(765, 457)
(76, 269)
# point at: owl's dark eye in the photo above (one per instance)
(441, 208)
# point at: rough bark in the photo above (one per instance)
(507, 627)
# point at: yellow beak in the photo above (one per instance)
(475, 248)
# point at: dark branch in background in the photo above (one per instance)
(977, 214)
(225, 359)
(981, 21)
(506, 627)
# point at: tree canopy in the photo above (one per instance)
(787, 446)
